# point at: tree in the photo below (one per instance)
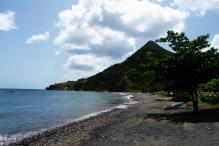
(188, 65)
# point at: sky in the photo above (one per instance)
(49, 41)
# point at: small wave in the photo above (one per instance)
(5, 139)
(122, 106)
(87, 116)
(129, 97)
(8, 139)
(123, 94)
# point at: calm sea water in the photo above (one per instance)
(23, 112)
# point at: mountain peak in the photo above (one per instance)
(152, 45)
(127, 76)
(150, 49)
(150, 42)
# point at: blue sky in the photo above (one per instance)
(30, 66)
(48, 41)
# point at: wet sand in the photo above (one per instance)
(143, 124)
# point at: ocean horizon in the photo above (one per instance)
(25, 112)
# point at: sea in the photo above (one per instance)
(25, 112)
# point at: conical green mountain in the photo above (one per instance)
(134, 74)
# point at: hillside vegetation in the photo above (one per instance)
(134, 74)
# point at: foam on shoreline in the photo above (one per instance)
(129, 99)
(7, 140)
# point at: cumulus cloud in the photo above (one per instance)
(99, 42)
(110, 28)
(87, 62)
(200, 7)
(37, 38)
(80, 62)
(215, 41)
(7, 21)
(85, 65)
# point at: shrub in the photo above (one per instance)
(211, 86)
(209, 97)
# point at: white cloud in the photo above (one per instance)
(85, 65)
(215, 41)
(200, 7)
(37, 38)
(87, 62)
(7, 21)
(111, 28)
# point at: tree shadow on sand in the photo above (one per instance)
(207, 115)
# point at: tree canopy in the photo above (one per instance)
(192, 63)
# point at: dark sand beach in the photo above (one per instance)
(143, 124)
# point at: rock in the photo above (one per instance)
(174, 106)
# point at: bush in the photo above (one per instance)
(211, 86)
(209, 97)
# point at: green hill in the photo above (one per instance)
(134, 74)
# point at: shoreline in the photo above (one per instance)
(20, 138)
(144, 123)
(74, 124)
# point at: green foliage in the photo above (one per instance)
(189, 66)
(209, 97)
(211, 86)
(152, 69)
(134, 74)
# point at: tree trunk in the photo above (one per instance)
(195, 102)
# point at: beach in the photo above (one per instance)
(145, 123)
